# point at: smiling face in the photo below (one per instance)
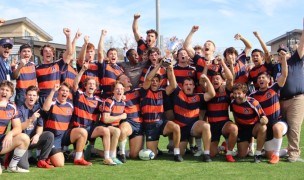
(239, 96)
(257, 58)
(112, 56)
(183, 57)
(63, 93)
(209, 48)
(90, 54)
(118, 91)
(188, 86)
(217, 81)
(155, 83)
(5, 50)
(90, 87)
(26, 54)
(153, 57)
(5, 93)
(48, 55)
(133, 57)
(263, 82)
(31, 98)
(125, 80)
(151, 39)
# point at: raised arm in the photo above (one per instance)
(210, 93)
(135, 27)
(247, 44)
(150, 76)
(48, 101)
(101, 46)
(284, 71)
(228, 75)
(85, 66)
(68, 54)
(77, 36)
(172, 80)
(264, 47)
(188, 42)
(30, 120)
(81, 55)
(16, 73)
(300, 48)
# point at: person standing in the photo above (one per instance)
(6, 46)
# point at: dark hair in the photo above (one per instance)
(264, 73)
(157, 76)
(198, 47)
(90, 46)
(188, 78)
(230, 50)
(85, 82)
(8, 84)
(115, 83)
(240, 86)
(257, 50)
(152, 31)
(111, 49)
(32, 88)
(24, 46)
(65, 84)
(49, 46)
(153, 50)
(218, 74)
(128, 53)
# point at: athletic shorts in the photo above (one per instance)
(245, 133)
(137, 129)
(60, 141)
(154, 130)
(2, 136)
(216, 130)
(269, 133)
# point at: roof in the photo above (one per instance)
(269, 43)
(31, 24)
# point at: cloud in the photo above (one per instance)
(227, 12)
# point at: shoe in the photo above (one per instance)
(0, 169)
(290, 159)
(159, 152)
(170, 151)
(193, 149)
(229, 158)
(188, 151)
(17, 169)
(48, 160)
(82, 162)
(258, 158)
(32, 160)
(198, 153)
(274, 159)
(43, 164)
(109, 162)
(224, 145)
(207, 158)
(178, 158)
(122, 158)
(116, 161)
(87, 152)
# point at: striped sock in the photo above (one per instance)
(18, 153)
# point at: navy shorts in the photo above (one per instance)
(60, 141)
(2, 136)
(269, 132)
(216, 130)
(137, 129)
(186, 132)
(245, 133)
(154, 130)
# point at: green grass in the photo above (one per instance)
(165, 168)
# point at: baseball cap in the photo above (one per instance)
(282, 48)
(6, 41)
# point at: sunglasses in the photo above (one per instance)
(9, 46)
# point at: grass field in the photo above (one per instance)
(165, 168)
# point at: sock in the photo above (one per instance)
(78, 155)
(258, 153)
(277, 145)
(106, 154)
(122, 146)
(229, 152)
(198, 142)
(29, 153)
(206, 152)
(176, 151)
(283, 152)
(113, 154)
(18, 153)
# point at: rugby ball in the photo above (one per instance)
(146, 154)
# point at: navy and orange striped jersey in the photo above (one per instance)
(115, 108)
(48, 75)
(186, 107)
(68, 75)
(182, 72)
(152, 105)
(91, 72)
(109, 74)
(217, 107)
(240, 70)
(7, 114)
(59, 117)
(200, 63)
(86, 109)
(162, 72)
(269, 101)
(141, 48)
(248, 112)
(132, 107)
(255, 71)
(26, 78)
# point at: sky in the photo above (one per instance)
(218, 20)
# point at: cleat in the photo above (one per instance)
(116, 161)
(17, 169)
(274, 159)
(178, 158)
(109, 162)
(82, 162)
(122, 158)
(295, 160)
(207, 158)
(198, 153)
(229, 158)
(43, 164)
(258, 158)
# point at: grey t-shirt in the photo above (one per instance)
(133, 72)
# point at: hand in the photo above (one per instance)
(35, 116)
(56, 87)
(203, 77)
(2, 21)
(86, 39)
(238, 37)
(123, 116)
(7, 141)
(35, 139)
(136, 16)
(22, 62)
(194, 28)
(78, 34)
(104, 32)
(263, 120)
(85, 66)
(219, 59)
(67, 32)
(255, 33)
(123, 97)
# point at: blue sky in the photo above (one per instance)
(219, 20)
